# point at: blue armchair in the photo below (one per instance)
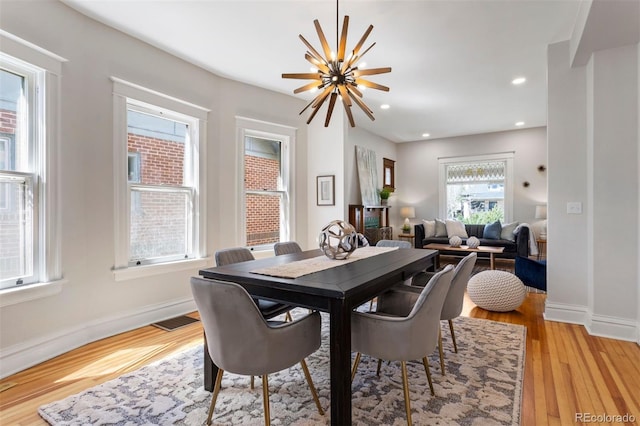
(533, 273)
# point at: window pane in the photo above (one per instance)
(159, 146)
(16, 224)
(476, 202)
(262, 171)
(11, 113)
(263, 219)
(159, 224)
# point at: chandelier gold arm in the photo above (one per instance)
(363, 106)
(371, 71)
(332, 103)
(346, 101)
(303, 76)
(371, 85)
(323, 40)
(345, 95)
(313, 51)
(315, 62)
(362, 40)
(343, 39)
(310, 86)
(321, 97)
(317, 107)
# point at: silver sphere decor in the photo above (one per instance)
(473, 242)
(338, 239)
(455, 241)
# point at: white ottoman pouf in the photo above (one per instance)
(498, 291)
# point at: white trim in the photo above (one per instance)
(29, 52)
(612, 327)
(26, 293)
(34, 351)
(130, 273)
(561, 312)
(509, 183)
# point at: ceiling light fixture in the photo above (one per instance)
(385, 106)
(425, 135)
(520, 123)
(337, 75)
(519, 80)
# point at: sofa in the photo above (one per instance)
(512, 249)
(533, 273)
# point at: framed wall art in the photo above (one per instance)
(325, 190)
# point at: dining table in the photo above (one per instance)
(337, 290)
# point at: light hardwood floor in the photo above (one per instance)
(566, 370)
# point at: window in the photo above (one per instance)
(266, 183)
(159, 197)
(477, 189)
(28, 239)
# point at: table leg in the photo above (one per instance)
(340, 359)
(492, 261)
(210, 369)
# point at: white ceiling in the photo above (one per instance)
(453, 61)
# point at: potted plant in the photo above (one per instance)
(384, 196)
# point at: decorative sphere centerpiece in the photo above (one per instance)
(473, 242)
(338, 239)
(455, 241)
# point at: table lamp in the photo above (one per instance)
(541, 213)
(407, 213)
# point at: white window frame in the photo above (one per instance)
(247, 127)
(124, 94)
(507, 157)
(45, 69)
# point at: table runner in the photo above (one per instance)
(309, 266)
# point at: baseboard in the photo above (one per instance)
(560, 312)
(612, 327)
(27, 354)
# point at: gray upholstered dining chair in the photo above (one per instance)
(241, 341)
(286, 247)
(452, 307)
(403, 338)
(268, 308)
(394, 243)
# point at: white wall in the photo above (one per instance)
(593, 127)
(92, 304)
(417, 169)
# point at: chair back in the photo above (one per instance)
(233, 255)
(286, 247)
(394, 243)
(426, 314)
(232, 323)
(455, 297)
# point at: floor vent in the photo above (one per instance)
(175, 323)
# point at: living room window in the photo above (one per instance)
(160, 187)
(266, 172)
(477, 189)
(28, 131)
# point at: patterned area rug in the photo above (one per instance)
(482, 386)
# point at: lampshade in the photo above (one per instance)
(541, 212)
(408, 212)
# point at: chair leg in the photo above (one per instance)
(440, 350)
(405, 385)
(214, 397)
(427, 370)
(305, 369)
(265, 400)
(453, 337)
(355, 366)
(378, 369)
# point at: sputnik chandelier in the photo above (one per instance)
(337, 76)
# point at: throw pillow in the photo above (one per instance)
(507, 231)
(455, 228)
(441, 229)
(429, 228)
(492, 231)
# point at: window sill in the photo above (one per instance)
(134, 272)
(26, 293)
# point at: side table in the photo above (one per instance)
(408, 237)
(542, 248)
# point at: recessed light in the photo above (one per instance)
(520, 123)
(518, 80)
(384, 106)
(425, 135)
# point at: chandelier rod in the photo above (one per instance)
(337, 30)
